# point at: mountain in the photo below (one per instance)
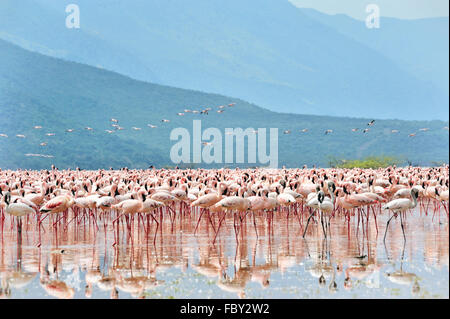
(267, 52)
(418, 46)
(42, 29)
(37, 90)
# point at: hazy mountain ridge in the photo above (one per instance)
(419, 46)
(267, 52)
(41, 28)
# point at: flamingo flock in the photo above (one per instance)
(149, 196)
(115, 127)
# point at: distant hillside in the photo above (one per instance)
(58, 95)
(418, 46)
(267, 52)
(42, 29)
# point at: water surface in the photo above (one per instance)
(81, 262)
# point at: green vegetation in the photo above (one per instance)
(368, 162)
(58, 95)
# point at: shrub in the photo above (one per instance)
(368, 162)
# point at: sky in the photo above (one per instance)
(402, 9)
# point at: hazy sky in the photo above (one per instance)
(403, 9)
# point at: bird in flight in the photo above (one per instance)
(371, 123)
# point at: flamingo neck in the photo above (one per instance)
(414, 203)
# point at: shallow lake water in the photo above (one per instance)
(79, 261)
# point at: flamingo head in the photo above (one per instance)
(321, 196)
(331, 186)
(7, 198)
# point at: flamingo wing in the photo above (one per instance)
(396, 204)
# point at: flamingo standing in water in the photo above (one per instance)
(56, 205)
(129, 207)
(442, 196)
(17, 209)
(257, 203)
(401, 205)
(327, 204)
(236, 203)
(148, 207)
(209, 200)
(358, 201)
(38, 198)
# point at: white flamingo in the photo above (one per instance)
(401, 205)
(17, 209)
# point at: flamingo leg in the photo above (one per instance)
(323, 226)
(307, 223)
(403, 229)
(254, 224)
(387, 225)
(375, 219)
(199, 218)
(218, 228)
(156, 230)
